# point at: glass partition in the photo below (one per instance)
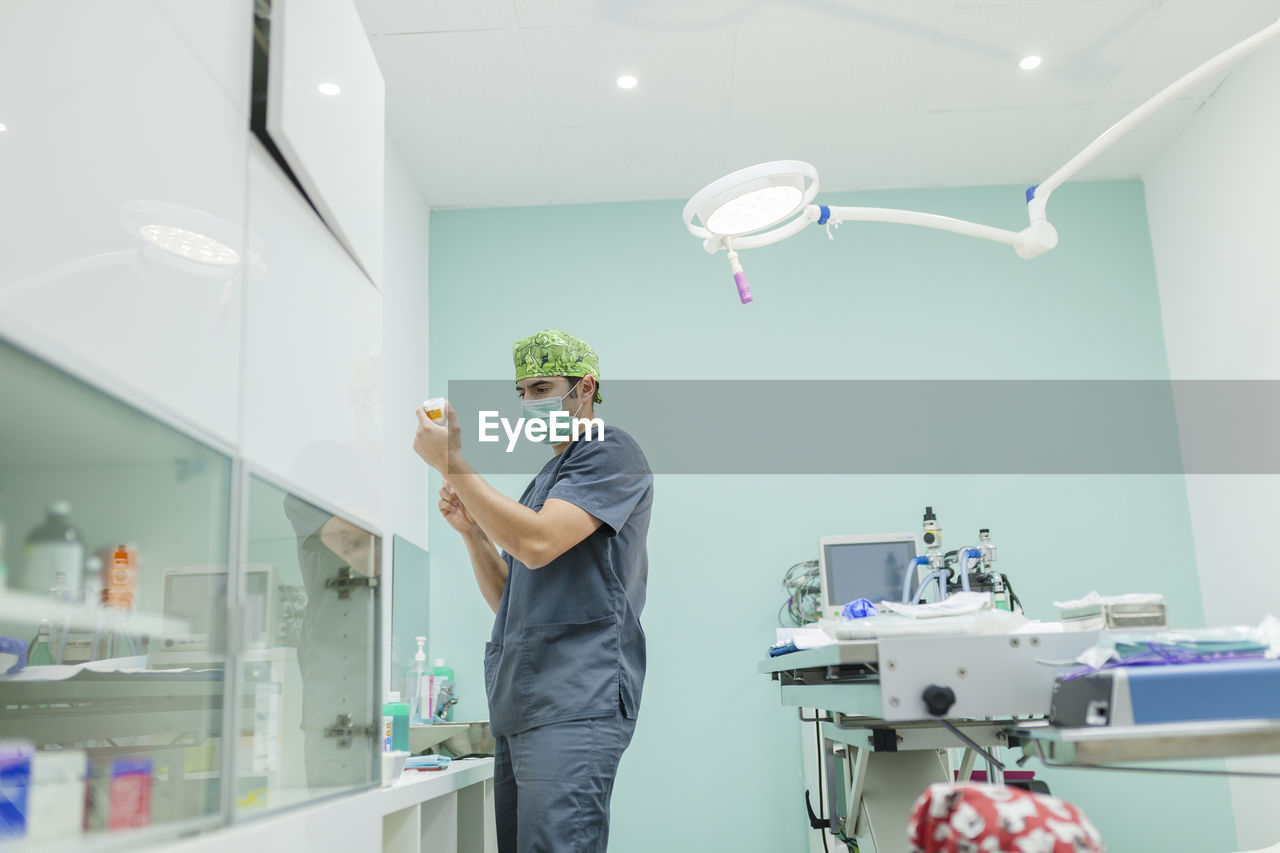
(410, 611)
(114, 540)
(309, 722)
(129, 589)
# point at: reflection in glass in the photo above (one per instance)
(308, 727)
(106, 517)
(410, 608)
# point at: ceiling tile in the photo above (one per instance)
(681, 75)
(654, 15)
(474, 78)
(434, 16)
(1081, 43)
(473, 167)
(515, 101)
(1179, 38)
(833, 60)
(970, 147)
(846, 151)
(634, 163)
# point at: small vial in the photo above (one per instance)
(987, 547)
(434, 408)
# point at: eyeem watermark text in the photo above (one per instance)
(560, 425)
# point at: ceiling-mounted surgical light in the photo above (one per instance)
(752, 199)
(747, 202)
(734, 212)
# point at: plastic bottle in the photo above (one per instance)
(53, 546)
(434, 407)
(420, 687)
(441, 675)
(122, 578)
(987, 547)
(395, 723)
(999, 589)
(63, 599)
(39, 654)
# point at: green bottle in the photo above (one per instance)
(395, 722)
(39, 654)
(443, 677)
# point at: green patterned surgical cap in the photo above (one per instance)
(552, 352)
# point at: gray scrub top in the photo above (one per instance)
(567, 642)
(335, 651)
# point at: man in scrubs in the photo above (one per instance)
(565, 667)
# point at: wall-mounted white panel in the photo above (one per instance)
(404, 312)
(220, 34)
(1213, 216)
(313, 335)
(122, 243)
(325, 112)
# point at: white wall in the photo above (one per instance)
(1215, 229)
(404, 369)
(404, 347)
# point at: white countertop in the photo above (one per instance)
(416, 786)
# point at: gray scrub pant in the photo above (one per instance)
(552, 785)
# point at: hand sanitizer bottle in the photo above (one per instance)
(443, 677)
(420, 690)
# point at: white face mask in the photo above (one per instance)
(540, 411)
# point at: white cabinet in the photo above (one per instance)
(220, 35)
(325, 112)
(313, 330)
(121, 222)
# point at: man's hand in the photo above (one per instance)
(439, 446)
(454, 512)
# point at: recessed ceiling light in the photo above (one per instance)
(2, 127)
(329, 89)
(627, 81)
(1029, 63)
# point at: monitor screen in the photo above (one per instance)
(871, 570)
(197, 602)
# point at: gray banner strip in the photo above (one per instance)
(914, 427)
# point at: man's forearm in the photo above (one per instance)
(512, 527)
(490, 568)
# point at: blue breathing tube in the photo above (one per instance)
(909, 575)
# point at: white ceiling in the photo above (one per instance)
(514, 102)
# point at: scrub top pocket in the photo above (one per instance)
(568, 670)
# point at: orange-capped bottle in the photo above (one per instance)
(122, 578)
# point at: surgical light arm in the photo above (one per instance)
(1037, 238)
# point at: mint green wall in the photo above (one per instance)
(716, 759)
